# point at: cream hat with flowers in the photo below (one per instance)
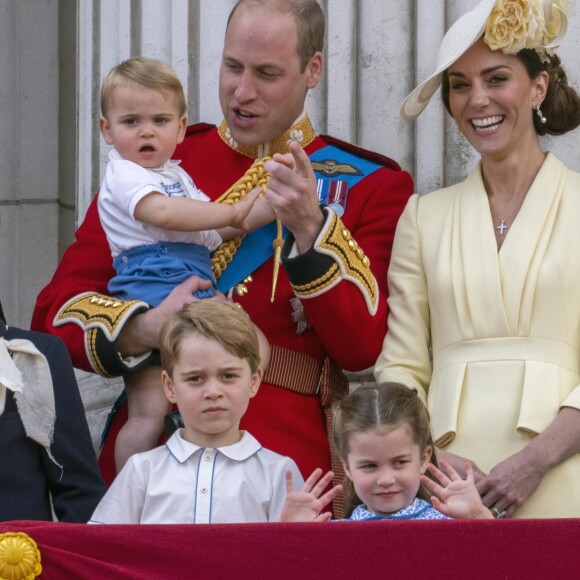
(506, 25)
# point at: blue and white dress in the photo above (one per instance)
(418, 510)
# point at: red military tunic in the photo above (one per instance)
(348, 323)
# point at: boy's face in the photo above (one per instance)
(143, 125)
(212, 389)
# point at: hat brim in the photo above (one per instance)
(464, 33)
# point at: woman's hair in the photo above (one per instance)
(144, 72)
(309, 19)
(561, 106)
(221, 321)
(374, 405)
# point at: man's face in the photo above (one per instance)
(262, 89)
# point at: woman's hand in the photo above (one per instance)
(306, 505)
(454, 496)
(459, 464)
(511, 483)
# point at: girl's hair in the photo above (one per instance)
(561, 106)
(144, 72)
(374, 405)
(221, 321)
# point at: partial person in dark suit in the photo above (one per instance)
(48, 467)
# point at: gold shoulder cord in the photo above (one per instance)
(255, 176)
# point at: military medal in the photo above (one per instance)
(332, 194)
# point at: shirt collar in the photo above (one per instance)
(182, 450)
(301, 131)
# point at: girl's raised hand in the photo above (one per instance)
(306, 505)
(453, 496)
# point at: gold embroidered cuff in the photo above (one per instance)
(349, 262)
(97, 311)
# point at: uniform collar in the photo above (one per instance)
(182, 450)
(301, 131)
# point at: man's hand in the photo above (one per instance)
(141, 333)
(292, 194)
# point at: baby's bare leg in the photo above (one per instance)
(147, 406)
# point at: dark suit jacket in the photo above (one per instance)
(29, 479)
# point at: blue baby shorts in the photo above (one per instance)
(150, 273)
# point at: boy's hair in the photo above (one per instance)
(309, 19)
(374, 405)
(221, 321)
(146, 72)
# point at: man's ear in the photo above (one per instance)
(314, 70)
(168, 386)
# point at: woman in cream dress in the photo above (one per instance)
(484, 281)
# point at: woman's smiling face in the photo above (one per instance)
(492, 100)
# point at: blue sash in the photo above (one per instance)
(257, 247)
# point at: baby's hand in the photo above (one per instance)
(243, 207)
(455, 497)
(307, 504)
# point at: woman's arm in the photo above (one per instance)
(405, 354)
(512, 482)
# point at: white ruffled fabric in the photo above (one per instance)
(24, 370)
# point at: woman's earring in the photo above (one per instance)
(543, 119)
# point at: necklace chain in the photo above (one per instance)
(502, 226)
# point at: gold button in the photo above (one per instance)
(366, 262)
(360, 254)
(346, 234)
(351, 244)
(241, 289)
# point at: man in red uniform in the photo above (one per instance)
(329, 308)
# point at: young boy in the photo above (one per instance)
(160, 227)
(209, 471)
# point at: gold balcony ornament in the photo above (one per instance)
(19, 557)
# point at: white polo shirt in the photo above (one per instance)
(181, 483)
(125, 184)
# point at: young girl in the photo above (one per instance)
(381, 434)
